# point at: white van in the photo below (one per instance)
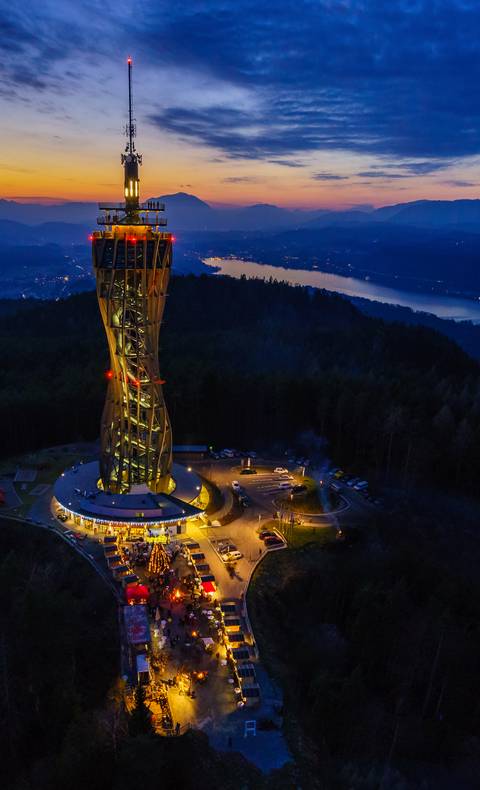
(232, 556)
(361, 486)
(143, 669)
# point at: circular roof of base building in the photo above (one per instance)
(76, 490)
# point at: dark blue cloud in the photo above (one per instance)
(459, 182)
(407, 169)
(383, 174)
(397, 78)
(422, 168)
(328, 177)
(286, 162)
(240, 180)
(38, 39)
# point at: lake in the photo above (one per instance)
(454, 308)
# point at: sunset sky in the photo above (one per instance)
(310, 103)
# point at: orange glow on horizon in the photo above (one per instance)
(66, 179)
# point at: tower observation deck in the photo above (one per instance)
(132, 258)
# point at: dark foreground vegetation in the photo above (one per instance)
(377, 647)
(248, 362)
(63, 723)
(59, 650)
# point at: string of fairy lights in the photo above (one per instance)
(158, 562)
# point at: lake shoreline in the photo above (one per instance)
(442, 304)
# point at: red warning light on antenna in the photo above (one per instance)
(90, 238)
(173, 238)
(129, 60)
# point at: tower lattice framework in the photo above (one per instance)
(132, 260)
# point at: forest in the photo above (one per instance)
(252, 364)
(377, 649)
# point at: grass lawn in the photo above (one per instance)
(49, 463)
(314, 500)
(298, 536)
(216, 500)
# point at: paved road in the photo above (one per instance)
(263, 488)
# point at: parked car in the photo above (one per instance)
(280, 470)
(62, 517)
(298, 489)
(245, 501)
(232, 556)
(228, 453)
(275, 541)
(225, 548)
(248, 471)
(361, 485)
(266, 533)
(236, 486)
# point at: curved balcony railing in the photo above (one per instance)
(149, 205)
(123, 219)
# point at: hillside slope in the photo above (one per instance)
(249, 363)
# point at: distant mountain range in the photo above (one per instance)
(188, 213)
(429, 246)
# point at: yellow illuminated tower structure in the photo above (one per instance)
(132, 259)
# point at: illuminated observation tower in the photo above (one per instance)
(132, 260)
(134, 489)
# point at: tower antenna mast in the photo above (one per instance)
(131, 125)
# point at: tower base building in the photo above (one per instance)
(140, 513)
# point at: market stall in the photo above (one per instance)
(209, 587)
(136, 624)
(136, 593)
